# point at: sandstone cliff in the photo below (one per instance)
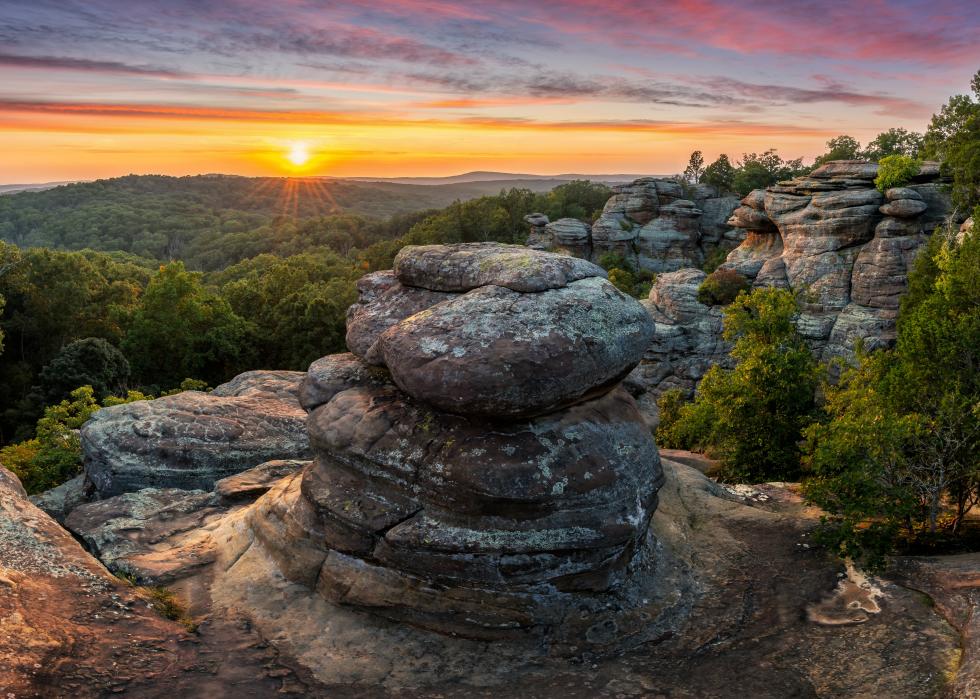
(831, 236)
(656, 225)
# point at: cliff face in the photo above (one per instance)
(830, 235)
(657, 225)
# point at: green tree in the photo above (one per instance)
(840, 148)
(181, 329)
(751, 417)
(695, 168)
(756, 171)
(88, 362)
(720, 174)
(893, 142)
(950, 121)
(898, 455)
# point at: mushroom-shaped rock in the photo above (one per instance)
(460, 268)
(536, 219)
(500, 353)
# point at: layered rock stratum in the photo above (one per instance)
(655, 224)
(492, 477)
(831, 236)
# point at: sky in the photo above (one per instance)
(101, 88)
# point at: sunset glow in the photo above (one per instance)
(415, 87)
(299, 154)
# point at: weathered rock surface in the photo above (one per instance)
(499, 463)
(383, 302)
(71, 630)
(829, 234)
(500, 353)
(460, 268)
(728, 579)
(655, 224)
(192, 439)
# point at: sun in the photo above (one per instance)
(299, 153)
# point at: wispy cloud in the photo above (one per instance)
(86, 65)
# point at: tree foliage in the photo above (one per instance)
(182, 329)
(88, 362)
(720, 174)
(840, 148)
(893, 142)
(756, 171)
(751, 417)
(898, 454)
(896, 171)
(695, 168)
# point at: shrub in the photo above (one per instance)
(751, 417)
(714, 259)
(896, 171)
(54, 455)
(722, 287)
(670, 409)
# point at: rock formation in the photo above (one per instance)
(656, 225)
(498, 477)
(830, 235)
(192, 439)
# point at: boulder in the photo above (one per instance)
(192, 439)
(500, 353)
(460, 268)
(903, 208)
(334, 373)
(380, 306)
(278, 385)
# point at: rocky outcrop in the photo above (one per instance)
(192, 439)
(830, 235)
(656, 225)
(498, 462)
(728, 578)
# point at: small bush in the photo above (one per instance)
(722, 287)
(168, 605)
(896, 171)
(669, 407)
(713, 259)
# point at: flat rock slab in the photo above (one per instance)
(504, 354)
(191, 439)
(467, 266)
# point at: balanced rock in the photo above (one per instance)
(500, 353)
(383, 301)
(499, 481)
(192, 439)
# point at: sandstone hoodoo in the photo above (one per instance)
(830, 235)
(420, 509)
(655, 224)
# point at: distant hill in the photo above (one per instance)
(501, 177)
(213, 220)
(37, 187)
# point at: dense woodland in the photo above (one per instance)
(121, 289)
